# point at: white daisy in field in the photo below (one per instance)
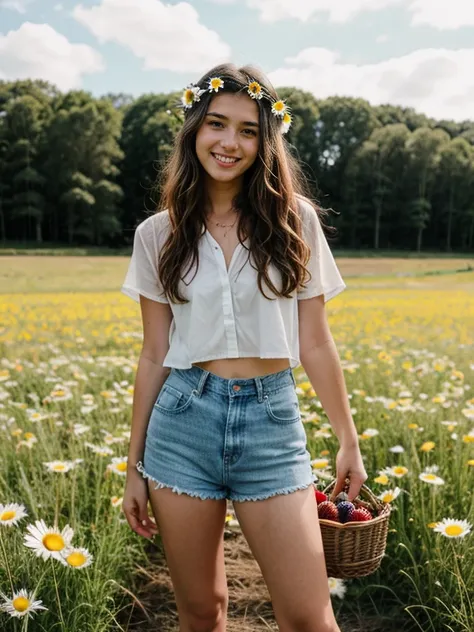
(453, 528)
(48, 541)
(21, 604)
(116, 501)
(60, 394)
(429, 477)
(399, 471)
(78, 557)
(118, 465)
(320, 464)
(11, 514)
(79, 429)
(85, 410)
(59, 466)
(389, 495)
(336, 587)
(397, 449)
(368, 433)
(101, 450)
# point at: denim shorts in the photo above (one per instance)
(213, 438)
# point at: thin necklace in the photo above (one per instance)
(224, 225)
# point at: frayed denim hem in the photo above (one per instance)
(279, 492)
(177, 490)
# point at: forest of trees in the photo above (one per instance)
(80, 170)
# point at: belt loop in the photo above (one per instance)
(293, 378)
(258, 384)
(202, 380)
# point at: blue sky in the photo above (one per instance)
(417, 53)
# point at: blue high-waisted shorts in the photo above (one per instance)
(215, 438)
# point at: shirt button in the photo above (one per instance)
(236, 388)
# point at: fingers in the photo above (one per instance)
(140, 521)
(339, 486)
(355, 486)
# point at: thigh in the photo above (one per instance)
(192, 533)
(284, 535)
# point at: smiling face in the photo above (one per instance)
(228, 140)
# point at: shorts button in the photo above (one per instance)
(236, 388)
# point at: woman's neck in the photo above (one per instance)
(220, 197)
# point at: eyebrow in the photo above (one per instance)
(224, 118)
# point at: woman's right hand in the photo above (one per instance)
(135, 505)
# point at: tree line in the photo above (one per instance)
(81, 170)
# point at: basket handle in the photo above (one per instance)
(364, 490)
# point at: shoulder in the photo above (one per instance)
(157, 221)
(309, 216)
(154, 229)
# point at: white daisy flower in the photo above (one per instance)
(320, 464)
(79, 429)
(101, 450)
(191, 95)
(78, 557)
(336, 587)
(433, 479)
(48, 541)
(21, 604)
(215, 84)
(116, 501)
(396, 470)
(397, 449)
(287, 120)
(60, 394)
(59, 466)
(453, 528)
(11, 514)
(279, 108)
(389, 495)
(255, 90)
(118, 465)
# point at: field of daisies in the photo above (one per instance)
(68, 559)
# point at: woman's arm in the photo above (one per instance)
(156, 319)
(320, 360)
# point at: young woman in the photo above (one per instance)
(228, 311)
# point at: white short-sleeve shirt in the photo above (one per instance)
(227, 316)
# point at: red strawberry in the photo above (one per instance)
(320, 496)
(327, 510)
(360, 515)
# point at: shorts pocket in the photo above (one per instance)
(171, 400)
(283, 406)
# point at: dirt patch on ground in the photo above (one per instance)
(250, 608)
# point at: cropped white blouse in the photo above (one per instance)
(227, 316)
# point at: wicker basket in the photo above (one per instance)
(355, 549)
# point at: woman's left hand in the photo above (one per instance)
(349, 465)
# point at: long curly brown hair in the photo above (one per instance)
(267, 202)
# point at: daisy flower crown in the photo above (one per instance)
(193, 93)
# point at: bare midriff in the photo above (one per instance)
(244, 367)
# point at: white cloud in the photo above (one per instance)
(15, 5)
(336, 10)
(438, 82)
(436, 13)
(442, 14)
(37, 51)
(165, 36)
